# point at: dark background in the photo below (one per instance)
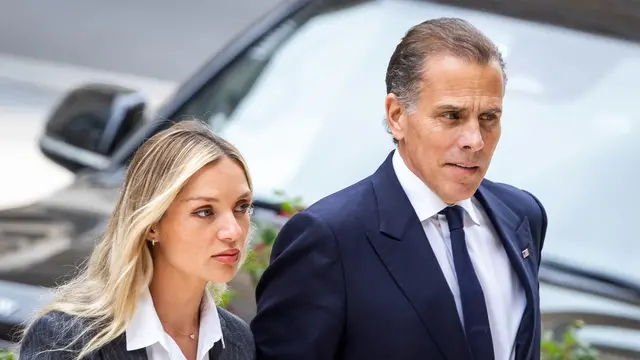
(619, 18)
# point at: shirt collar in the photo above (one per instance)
(424, 201)
(210, 327)
(145, 328)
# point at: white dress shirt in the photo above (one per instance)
(146, 331)
(502, 289)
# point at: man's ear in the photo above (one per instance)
(395, 116)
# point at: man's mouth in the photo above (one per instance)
(464, 167)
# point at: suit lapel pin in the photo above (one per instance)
(525, 253)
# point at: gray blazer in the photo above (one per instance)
(56, 330)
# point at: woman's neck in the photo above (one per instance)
(177, 298)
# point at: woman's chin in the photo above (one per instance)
(222, 276)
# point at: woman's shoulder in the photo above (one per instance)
(56, 323)
(233, 325)
(52, 331)
(237, 332)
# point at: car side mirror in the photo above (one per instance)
(89, 124)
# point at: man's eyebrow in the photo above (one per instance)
(449, 107)
(458, 108)
(494, 110)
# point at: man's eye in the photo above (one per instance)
(451, 116)
(488, 117)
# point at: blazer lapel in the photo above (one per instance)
(117, 350)
(216, 352)
(403, 247)
(515, 235)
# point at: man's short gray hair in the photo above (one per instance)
(452, 36)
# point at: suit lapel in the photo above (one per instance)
(117, 350)
(404, 248)
(216, 352)
(515, 235)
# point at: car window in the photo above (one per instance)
(307, 112)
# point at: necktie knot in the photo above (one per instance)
(454, 217)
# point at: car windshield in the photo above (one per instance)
(305, 106)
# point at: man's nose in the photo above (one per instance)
(471, 137)
(230, 230)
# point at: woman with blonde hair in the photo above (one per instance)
(178, 233)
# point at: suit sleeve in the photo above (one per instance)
(301, 295)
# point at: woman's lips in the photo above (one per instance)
(230, 256)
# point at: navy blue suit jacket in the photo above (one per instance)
(354, 277)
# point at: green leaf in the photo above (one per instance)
(226, 298)
(268, 236)
(569, 348)
(287, 207)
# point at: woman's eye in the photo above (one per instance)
(203, 213)
(244, 208)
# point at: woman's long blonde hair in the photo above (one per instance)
(104, 294)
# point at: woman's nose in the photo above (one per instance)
(230, 229)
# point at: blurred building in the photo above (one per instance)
(620, 18)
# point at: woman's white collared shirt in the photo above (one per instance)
(145, 331)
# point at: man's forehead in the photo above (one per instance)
(459, 91)
(448, 71)
(462, 97)
(464, 104)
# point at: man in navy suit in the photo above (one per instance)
(424, 259)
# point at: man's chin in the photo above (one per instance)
(459, 191)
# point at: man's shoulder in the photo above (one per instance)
(344, 204)
(524, 204)
(520, 201)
